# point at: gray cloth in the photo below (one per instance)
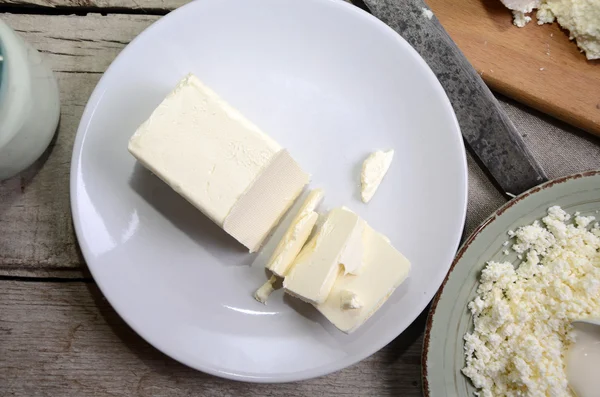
(560, 149)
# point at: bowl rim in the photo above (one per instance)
(466, 245)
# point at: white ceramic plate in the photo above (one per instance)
(329, 82)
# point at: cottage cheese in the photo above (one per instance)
(580, 17)
(427, 13)
(522, 316)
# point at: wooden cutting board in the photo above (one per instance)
(536, 65)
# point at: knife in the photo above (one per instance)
(485, 127)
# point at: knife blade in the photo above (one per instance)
(485, 127)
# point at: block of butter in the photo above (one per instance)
(296, 235)
(335, 249)
(219, 161)
(354, 298)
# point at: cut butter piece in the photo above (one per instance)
(264, 291)
(210, 154)
(320, 262)
(373, 170)
(269, 197)
(354, 298)
(296, 235)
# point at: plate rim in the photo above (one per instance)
(467, 244)
(81, 134)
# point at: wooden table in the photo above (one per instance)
(58, 335)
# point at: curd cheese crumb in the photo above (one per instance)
(374, 169)
(580, 17)
(520, 19)
(427, 13)
(522, 315)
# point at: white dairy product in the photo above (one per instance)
(350, 301)
(520, 19)
(355, 298)
(427, 13)
(319, 263)
(580, 17)
(352, 256)
(263, 204)
(583, 360)
(212, 155)
(373, 170)
(265, 290)
(522, 315)
(296, 235)
(524, 6)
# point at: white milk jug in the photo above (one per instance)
(29, 104)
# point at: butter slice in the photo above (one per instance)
(296, 235)
(354, 298)
(319, 263)
(210, 154)
(373, 170)
(269, 197)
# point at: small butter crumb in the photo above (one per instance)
(262, 294)
(374, 168)
(350, 301)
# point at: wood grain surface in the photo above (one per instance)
(64, 339)
(35, 215)
(154, 6)
(536, 65)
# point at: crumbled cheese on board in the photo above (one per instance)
(520, 19)
(580, 17)
(522, 316)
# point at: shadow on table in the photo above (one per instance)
(402, 359)
(12, 188)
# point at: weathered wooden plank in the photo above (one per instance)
(63, 339)
(36, 234)
(155, 6)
